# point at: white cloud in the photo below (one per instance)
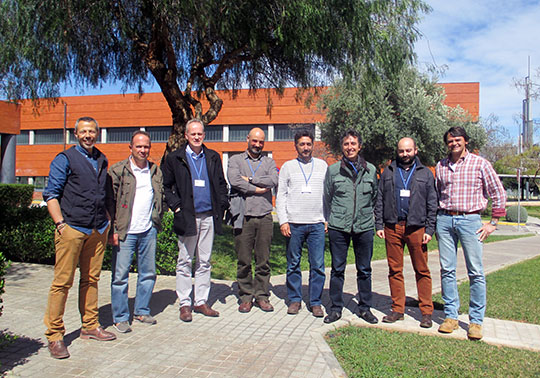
(488, 42)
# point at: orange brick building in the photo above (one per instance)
(42, 134)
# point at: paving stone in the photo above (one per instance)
(233, 345)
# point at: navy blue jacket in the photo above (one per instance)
(178, 189)
(422, 203)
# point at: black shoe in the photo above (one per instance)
(368, 317)
(333, 316)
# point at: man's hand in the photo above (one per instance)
(113, 239)
(485, 231)
(285, 230)
(259, 190)
(426, 239)
(325, 227)
(245, 178)
(380, 233)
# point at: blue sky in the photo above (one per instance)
(488, 42)
(475, 41)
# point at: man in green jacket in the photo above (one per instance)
(136, 211)
(350, 189)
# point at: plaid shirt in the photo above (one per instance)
(467, 186)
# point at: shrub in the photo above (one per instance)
(4, 264)
(166, 250)
(15, 195)
(512, 214)
(27, 235)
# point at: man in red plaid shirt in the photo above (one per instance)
(464, 183)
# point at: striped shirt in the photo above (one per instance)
(467, 185)
(300, 192)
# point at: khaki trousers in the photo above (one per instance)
(75, 248)
(396, 237)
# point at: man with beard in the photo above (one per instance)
(405, 214)
(253, 176)
(299, 205)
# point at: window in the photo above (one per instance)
(23, 137)
(40, 182)
(286, 132)
(49, 136)
(159, 133)
(213, 133)
(120, 134)
(238, 133)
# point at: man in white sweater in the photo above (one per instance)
(299, 204)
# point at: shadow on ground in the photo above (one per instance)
(15, 350)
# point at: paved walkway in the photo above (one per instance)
(256, 344)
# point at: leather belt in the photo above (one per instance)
(454, 213)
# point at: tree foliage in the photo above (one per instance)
(192, 48)
(529, 161)
(407, 105)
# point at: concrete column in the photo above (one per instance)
(7, 173)
(270, 136)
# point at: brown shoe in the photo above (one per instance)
(393, 317)
(317, 311)
(475, 331)
(97, 334)
(185, 314)
(58, 349)
(245, 307)
(264, 305)
(206, 310)
(448, 326)
(294, 308)
(426, 321)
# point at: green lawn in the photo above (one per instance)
(369, 352)
(533, 211)
(224, 255)
(513, 293)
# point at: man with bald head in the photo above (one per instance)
(405, 214)
(252, 176)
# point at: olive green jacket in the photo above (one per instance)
(349, 198)
(122, 186)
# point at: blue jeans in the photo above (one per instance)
(145, 245)
(363, 251)
(313, 235)
(450, 229)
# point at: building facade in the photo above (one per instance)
(49, 129)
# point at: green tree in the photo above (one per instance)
(197, 46)
(408, 104)
(529, 161)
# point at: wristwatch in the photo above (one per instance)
(493, 222)
(250, 179)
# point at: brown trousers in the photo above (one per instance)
(75, 248)
(396, 237)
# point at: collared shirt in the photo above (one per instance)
(58, 175)
(467, 185)
(401, 177)
(141, 213)
(202, 197)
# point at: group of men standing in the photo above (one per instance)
(344, 200)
